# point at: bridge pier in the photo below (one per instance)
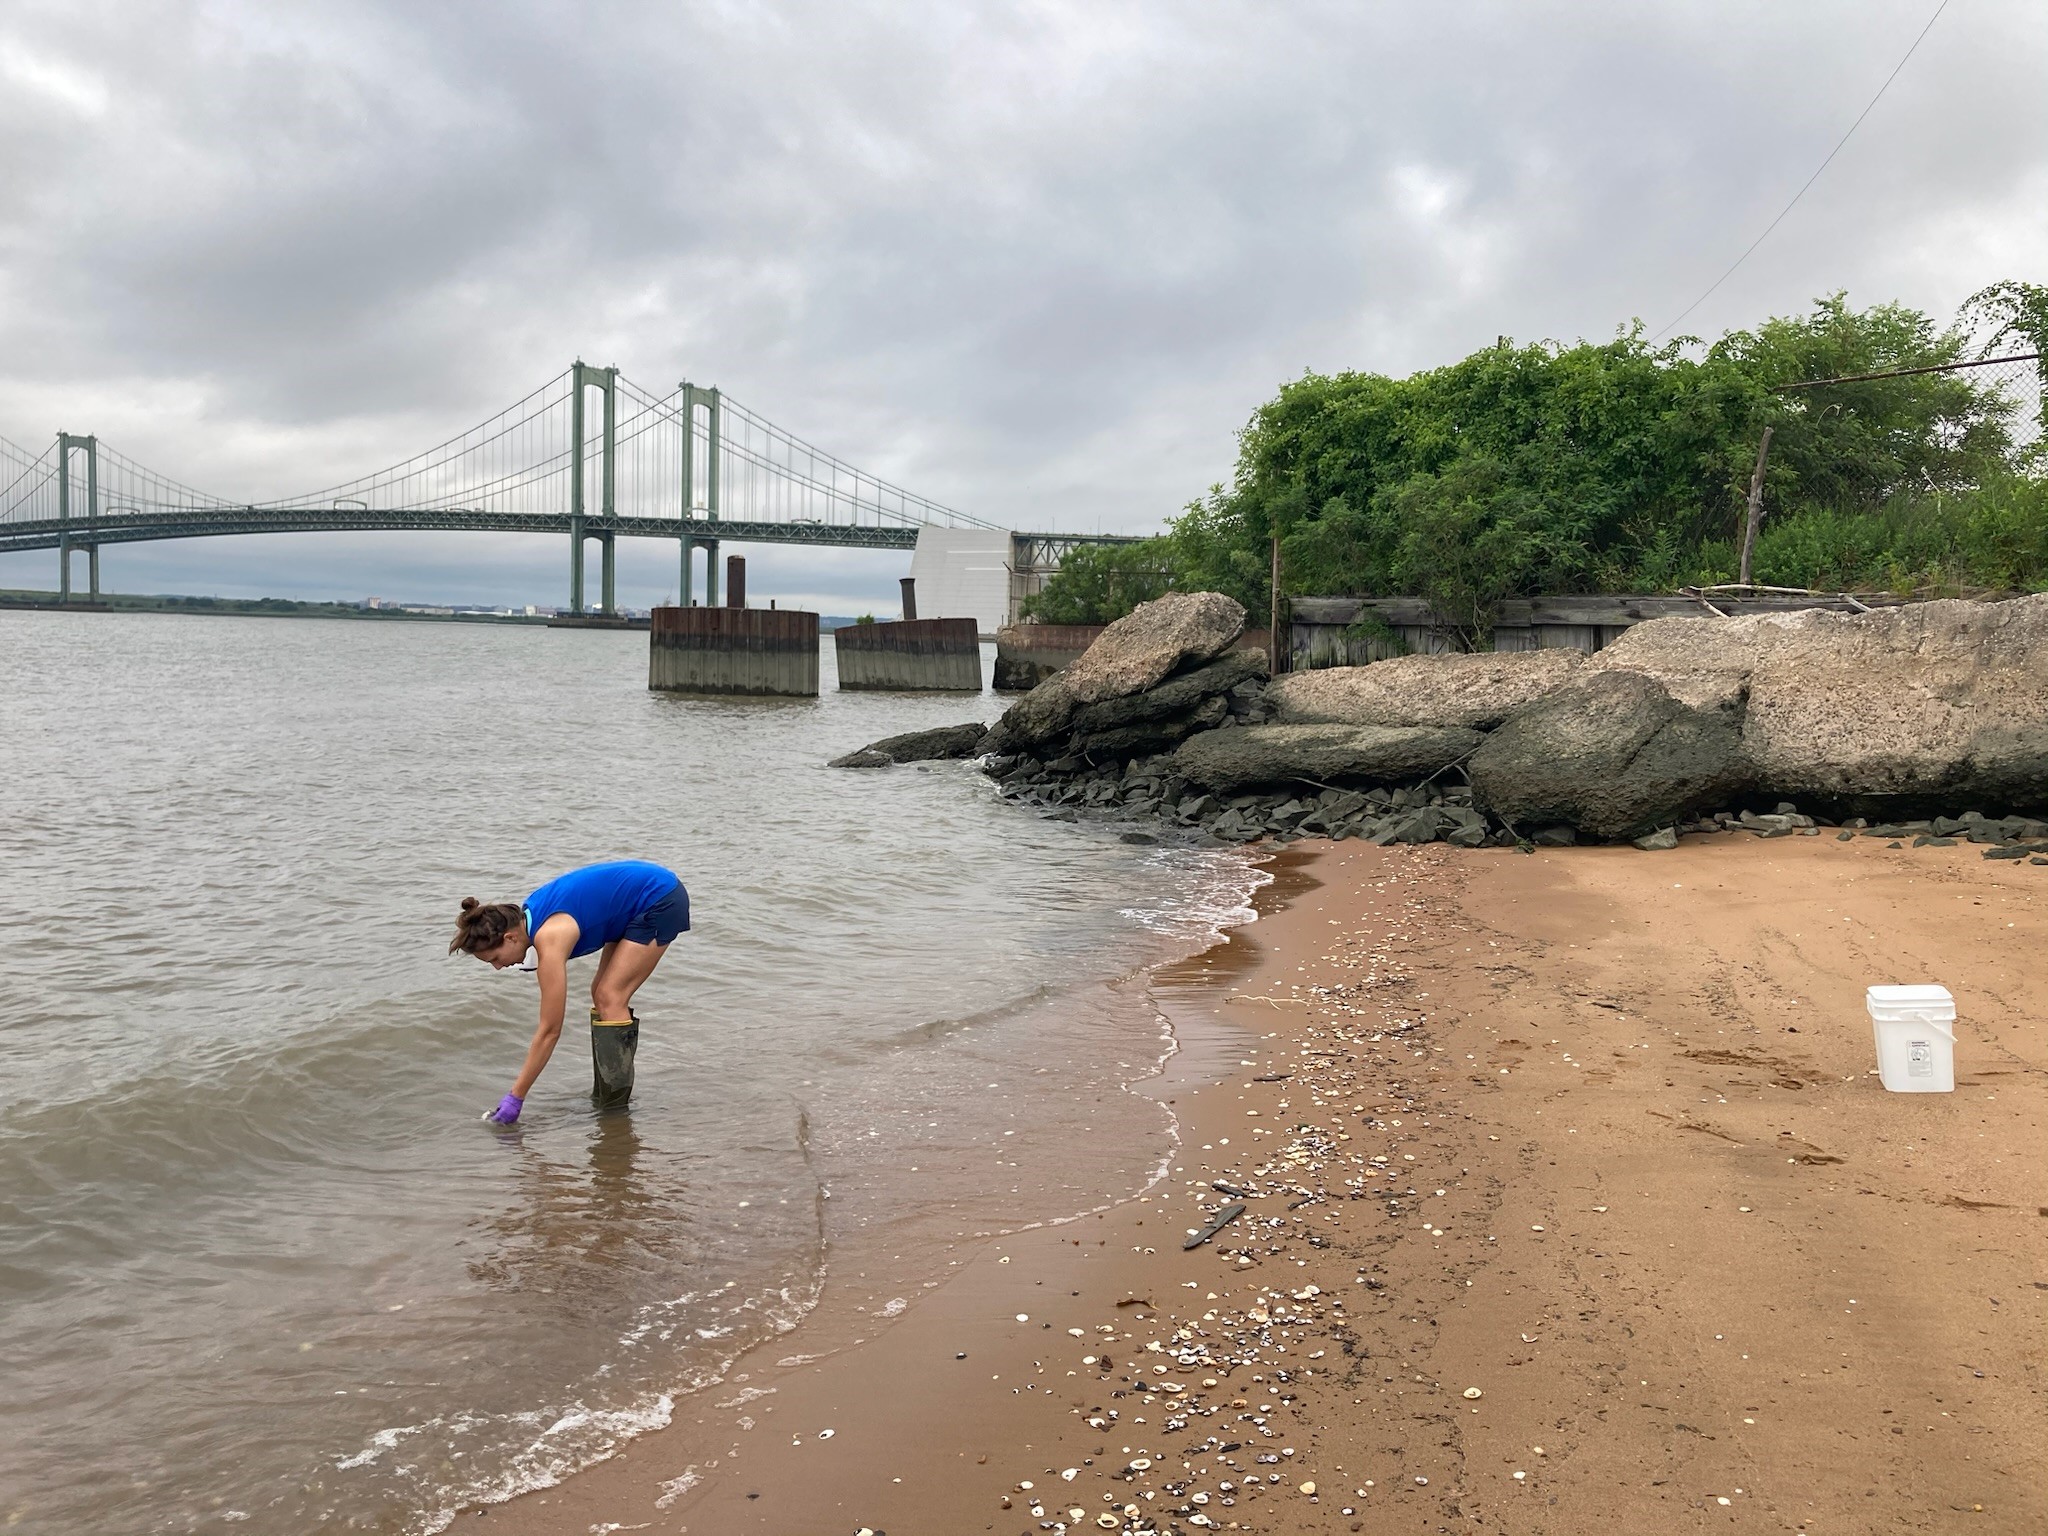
(689, 584)
(608, 569)
(711, 597)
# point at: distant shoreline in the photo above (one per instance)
(258, 607)
(295, 608)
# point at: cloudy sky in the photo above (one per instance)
(1036, 260)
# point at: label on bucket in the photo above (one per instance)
(1919, 1058)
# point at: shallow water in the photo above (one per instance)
(262, 1268)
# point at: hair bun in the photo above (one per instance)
(470, 903)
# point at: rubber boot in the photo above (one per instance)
(612, 1043)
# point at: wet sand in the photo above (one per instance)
(1573, 1205)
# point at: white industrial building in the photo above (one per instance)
(965, 573)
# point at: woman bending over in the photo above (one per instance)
(630, 911)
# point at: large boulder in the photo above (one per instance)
(1169, 638)
(1476, 690)
(1235, 759)
(1612, 754)
(1922, 707)
(1702, 662)
(947, 741)
(1041, 717)
(1153, 641)
(1934, 706)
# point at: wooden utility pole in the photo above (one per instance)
(1756, 504)
(1273, 614)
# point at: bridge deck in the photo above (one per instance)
(140, 527)
(143, 527)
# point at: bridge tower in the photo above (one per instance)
(581, 378)
(692, 397)
(67, 444)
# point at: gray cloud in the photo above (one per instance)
(1039, 261)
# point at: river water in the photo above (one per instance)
(262, 1268)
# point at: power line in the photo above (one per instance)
(1759, 240)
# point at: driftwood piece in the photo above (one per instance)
(1217, 1223)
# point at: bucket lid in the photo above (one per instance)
(1923, 995)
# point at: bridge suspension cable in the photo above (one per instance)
(689, 463)
(27, 483)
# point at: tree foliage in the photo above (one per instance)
(1612, 466)
(1100, 582)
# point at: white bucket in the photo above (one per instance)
(1916, 1037)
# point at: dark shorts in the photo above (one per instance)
(660, 923)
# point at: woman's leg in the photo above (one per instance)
(604, 960)
(619, 974)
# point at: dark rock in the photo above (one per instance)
(1845, 837)
(1554, 837)
(1136, 837)
(1422, 825)
(947, 741)
(1149, 736)
(1612, 754)
(1658, 841)
(1458, 815)
(2015, 851)
(1175, 696)
(1035, 721)
(1466, 837)
(1279, 754)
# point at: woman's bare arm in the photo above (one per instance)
(551, 946)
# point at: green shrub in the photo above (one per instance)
(1614, 466)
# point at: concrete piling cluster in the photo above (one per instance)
(735, 649)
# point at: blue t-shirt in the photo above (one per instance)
(603, 898)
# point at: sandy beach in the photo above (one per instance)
(1571, 1204)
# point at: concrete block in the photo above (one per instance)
(911, 654)
(766, 651)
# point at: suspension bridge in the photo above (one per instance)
(589, 454)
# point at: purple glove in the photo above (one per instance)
(507, 1110)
